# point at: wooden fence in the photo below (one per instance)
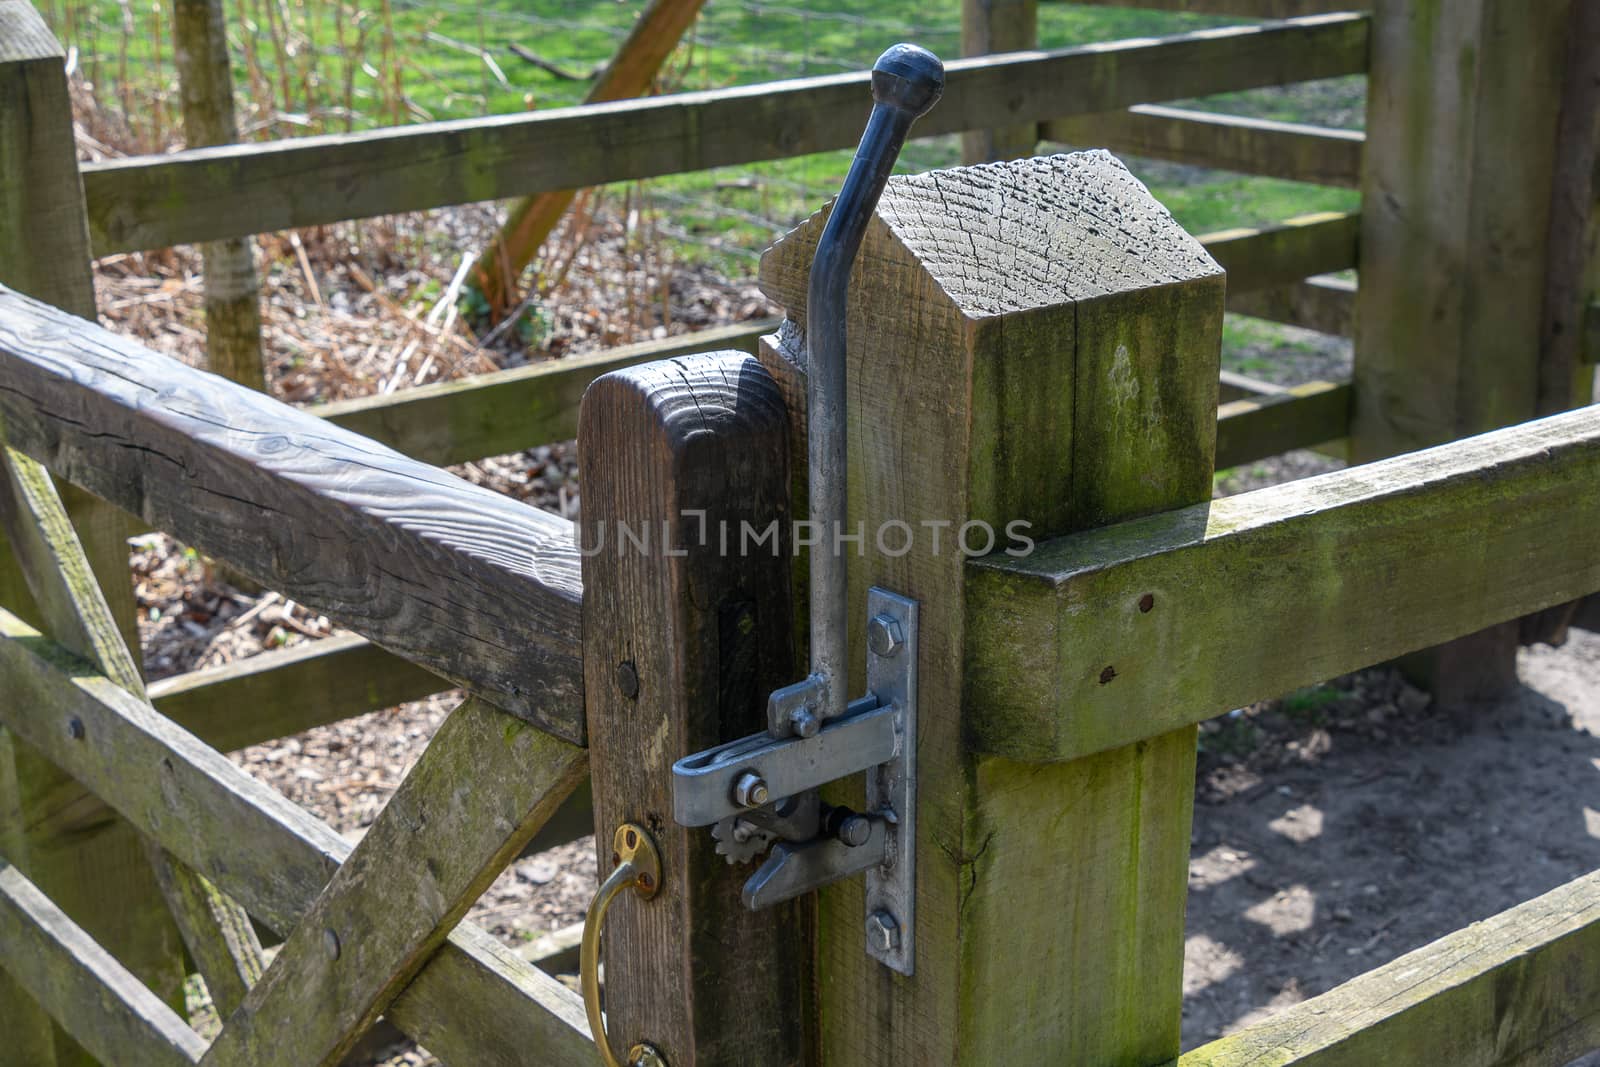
(1076, 672)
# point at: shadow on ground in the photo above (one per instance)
(1358, 849)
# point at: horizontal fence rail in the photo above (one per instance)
(210, 193)
(289, 690)
(1303, 416)
(1249, 9)
(1225, 142)
(1395, 555)
(1326, 305)
(1296, 249)
(1518, 988)
(509, 410)
(465, 581)
(99, 1002)
(474, 1001)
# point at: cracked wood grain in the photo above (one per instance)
(1031, 341)
(476, 587)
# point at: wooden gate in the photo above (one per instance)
(1034, 358)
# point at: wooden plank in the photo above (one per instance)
(688, 448)
(476, 795)
(1326, 305)
(209, 193)
(1460, 164)
(555, 952)
(631, 72)
(295, 689)
(474, 1002)
(475, 586)
(1519, 989)
(74, 849)
(1395, 555)
(40, 193)
(509, 410)
(949, 422)
(1300, 417)
(1231, 385)
(214, 929)
(100, 1003)
(280, 693)
(1297, 248)
(1317, 154)
(1572, 252)
(205, 87)
(1251, 9)
(988, 27)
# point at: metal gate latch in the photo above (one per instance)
(760, 792)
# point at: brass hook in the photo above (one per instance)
(638, 867)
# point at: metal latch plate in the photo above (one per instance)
(892, 786)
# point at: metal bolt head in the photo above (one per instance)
(883, 933)
(804, 722)
(884, 636)
(750, 791)
(643, 1055)
(743, 831)
(855, 831)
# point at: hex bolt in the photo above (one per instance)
(804, 722)
(743, 831)
(855, 831)
(884, 636)
(750, 791)
(883, 933)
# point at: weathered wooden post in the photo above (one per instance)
(686, 629)
(233, 300)
(999, 26)
(1478, 176)
(70, 845)
(1033, 349)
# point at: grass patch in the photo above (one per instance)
(307, 66)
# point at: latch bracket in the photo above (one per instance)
(765, 779)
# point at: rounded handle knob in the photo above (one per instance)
(909, 78)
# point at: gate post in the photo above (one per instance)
(686, 629)
(1036, 342)
(1475, 190)
(91, 863)
(989, 26)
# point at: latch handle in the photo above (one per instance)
(906, 82)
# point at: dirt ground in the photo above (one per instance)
(1334, 831)
(1354, 831)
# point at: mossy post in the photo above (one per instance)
(989, 26)
(72, 847)
(233, 301)
(1033, 342)
(1464, 247)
